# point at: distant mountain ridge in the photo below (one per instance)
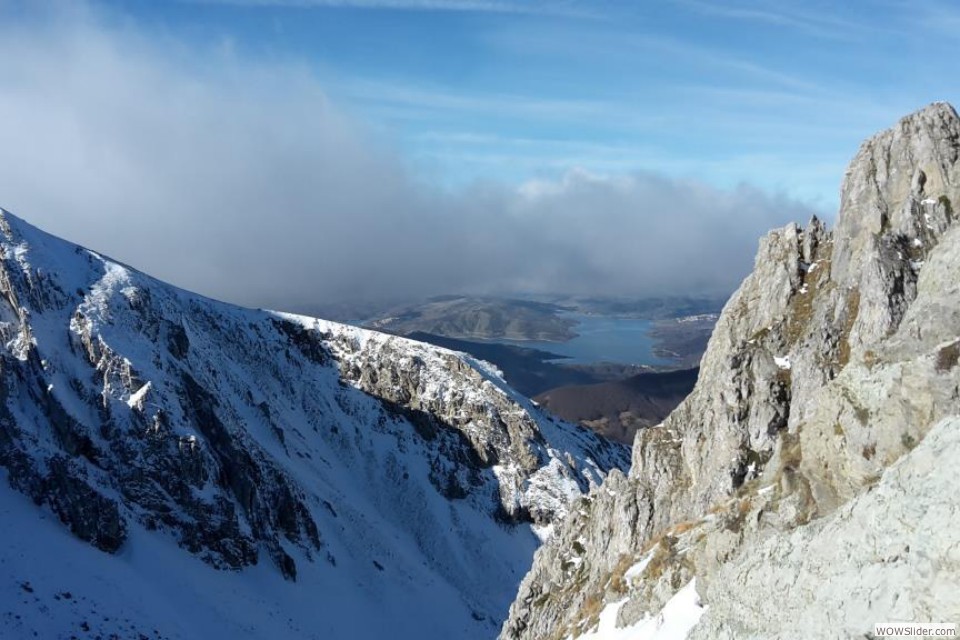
(395, 486)
(475, 318)
(540, 318)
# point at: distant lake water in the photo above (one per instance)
(602, 339)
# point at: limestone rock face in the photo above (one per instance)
(833, 360)
(891, 553)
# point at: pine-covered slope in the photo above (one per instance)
(179, 467)
(826, 373)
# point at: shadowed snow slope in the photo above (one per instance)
(183, 468)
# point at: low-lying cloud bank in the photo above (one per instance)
(239, 179)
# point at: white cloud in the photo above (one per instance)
(242, 181)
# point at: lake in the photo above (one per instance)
(602, 339)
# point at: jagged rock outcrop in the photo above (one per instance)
(834, 359)
(888, 554)
(379, 466)
(475, 422)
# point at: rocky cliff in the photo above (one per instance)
(790, 487)
(378, 473)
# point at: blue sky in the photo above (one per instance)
(778, 94)
(300, 153)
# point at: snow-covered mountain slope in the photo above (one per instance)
(345, 483)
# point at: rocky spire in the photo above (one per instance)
(835, 357)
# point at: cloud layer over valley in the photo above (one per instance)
(242, 180)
